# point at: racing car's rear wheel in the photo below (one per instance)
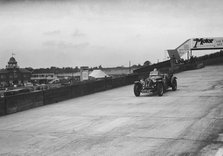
(160, 89)
(137, 89)
(174, 85)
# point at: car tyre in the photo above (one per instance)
(137, 90)
(160, 89)
(174, 85)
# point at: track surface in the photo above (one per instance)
(188, 121)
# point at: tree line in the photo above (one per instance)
(76, 69)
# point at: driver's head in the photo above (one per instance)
(154, 69)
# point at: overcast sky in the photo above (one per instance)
(99, 32)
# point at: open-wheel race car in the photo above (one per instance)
(155, 83)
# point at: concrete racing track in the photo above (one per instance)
(188, 121)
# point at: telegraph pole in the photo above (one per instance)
(129, 67)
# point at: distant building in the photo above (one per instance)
(71, 76)
(42, 77)
(13, 75)
(118, 71)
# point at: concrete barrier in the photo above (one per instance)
(2, 106)
(213, 61)
(118, 82)
(16, 103)
(56, 95)
(22, 102)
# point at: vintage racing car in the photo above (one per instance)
(156, 83)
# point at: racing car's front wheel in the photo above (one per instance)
(137, 89)
(160, 89)
(174, 85)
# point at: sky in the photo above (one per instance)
(65, 33)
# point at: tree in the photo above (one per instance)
(139, 65)
(76, 69)
(100, 67)
(29, 69)
(147, 63)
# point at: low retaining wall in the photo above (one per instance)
(2, 107)
(85, 88)
(213, 61)
(199, 64)
(23, 102)
(56, 95)
(16, 103)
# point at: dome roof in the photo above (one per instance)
(12, 61)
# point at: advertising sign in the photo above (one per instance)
(84, 75)
(207, 43)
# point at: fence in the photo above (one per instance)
(16, 103)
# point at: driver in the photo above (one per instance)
(154, 72)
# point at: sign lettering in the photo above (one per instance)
(202, 41)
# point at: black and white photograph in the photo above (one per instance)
(111, 78)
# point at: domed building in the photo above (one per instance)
(13, 75)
